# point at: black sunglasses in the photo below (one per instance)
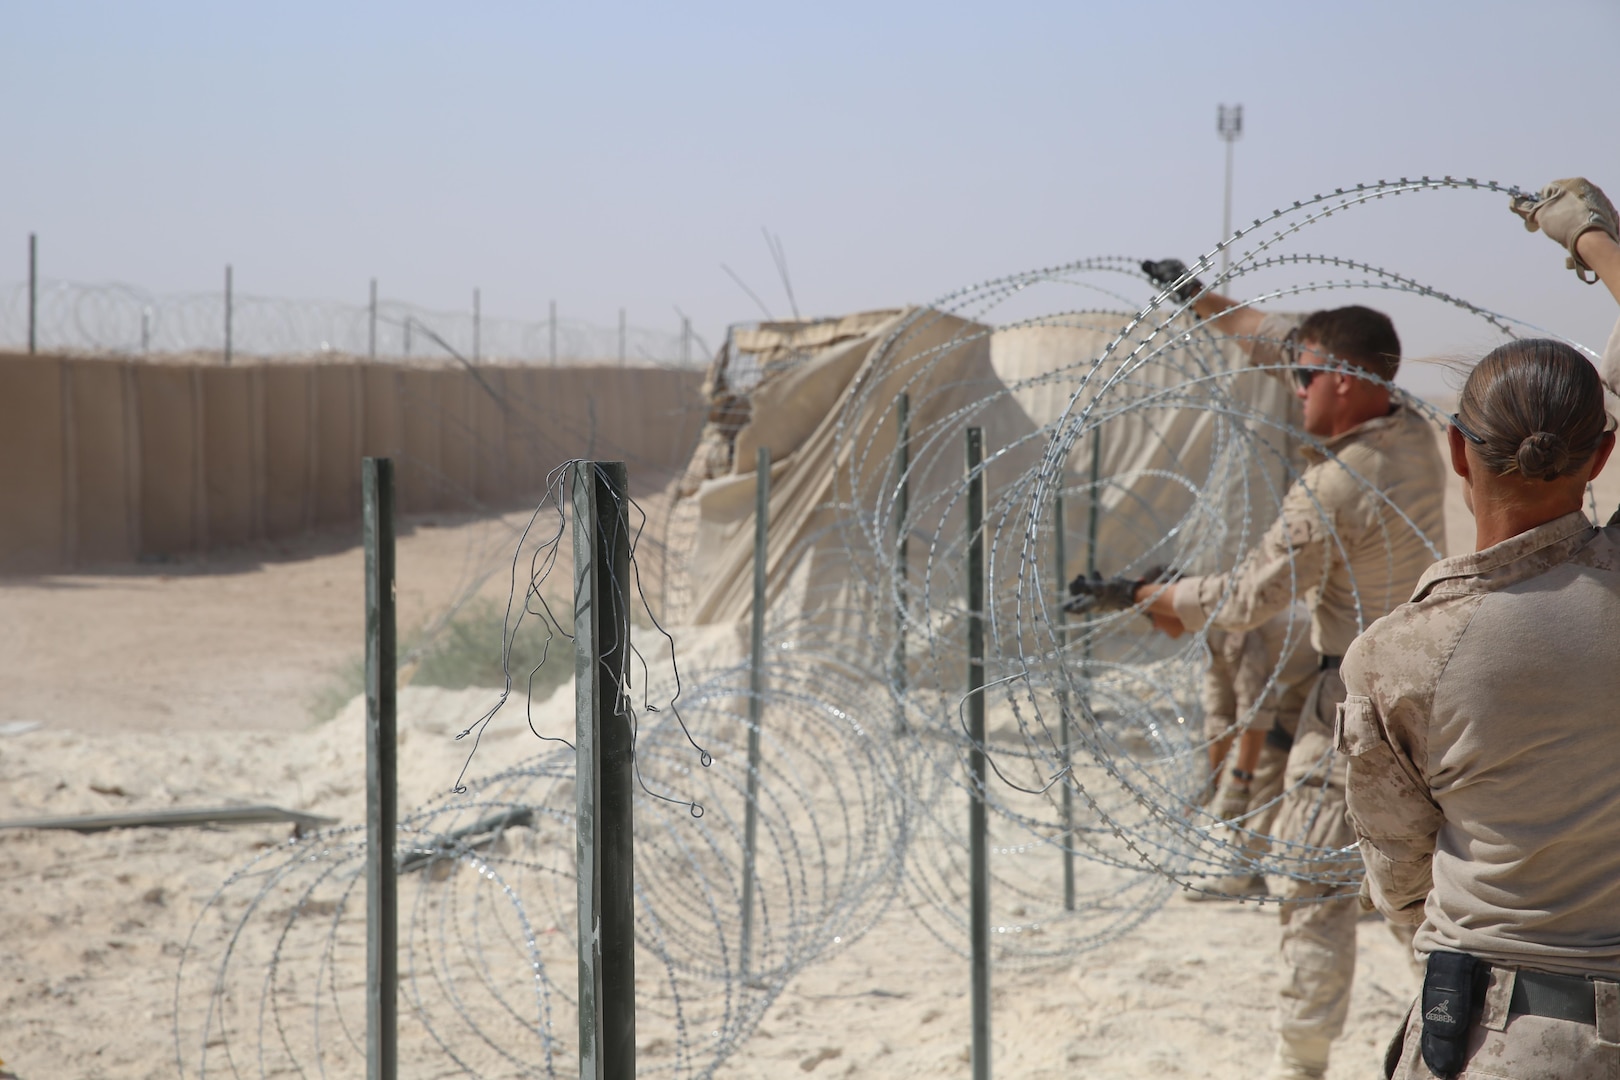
(1467, 432)
(1304, 375)
(1478, 440)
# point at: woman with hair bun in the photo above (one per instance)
(1482, 722)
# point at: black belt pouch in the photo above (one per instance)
(1448, 1003)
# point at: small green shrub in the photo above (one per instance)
(344, 685)
(467, 652)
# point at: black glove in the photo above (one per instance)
(1097, 595)
(1165, 272)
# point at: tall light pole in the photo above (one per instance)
(1229, 126)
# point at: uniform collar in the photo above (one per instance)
(1319, 450)
(1501, 556)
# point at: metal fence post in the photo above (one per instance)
(1061, 555)
(902, 511)
(756, 690)
(228, 305)
(371, 332)
(33, 291)
(604, 776)
(978, 824)
(478, 319)
(382, 911)
(1091, 512)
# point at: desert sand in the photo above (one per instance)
(192, 685)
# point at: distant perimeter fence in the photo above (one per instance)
(67, 316)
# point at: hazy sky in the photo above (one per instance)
(610, 155)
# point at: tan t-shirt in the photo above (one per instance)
(1483, 733)
(1356, 530)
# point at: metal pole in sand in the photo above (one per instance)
(382, 910)
(902, 510)
(33, 291)
(228, 306)
(1091, 513)
(1065, 717)
(756, 691)
(978, 826)
(604, 775)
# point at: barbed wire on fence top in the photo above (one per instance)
(125, 319)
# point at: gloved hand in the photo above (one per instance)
(1566, 209)
(1097, 595)
(1165, 272)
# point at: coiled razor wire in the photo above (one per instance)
(862, 788)
(272, 977)
(1134, 757)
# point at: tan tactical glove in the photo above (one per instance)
(1565, 210)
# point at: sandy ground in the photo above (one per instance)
(247, 642)
(192, 685)
(96, 924)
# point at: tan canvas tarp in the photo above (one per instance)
(829, 424)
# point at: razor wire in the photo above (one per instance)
(126, 319)
(271, 977)
(862, 793)
(1102, 707)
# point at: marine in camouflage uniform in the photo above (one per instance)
(1356, 531)
(1480, 730)
(1354, 534)
(1254, 688)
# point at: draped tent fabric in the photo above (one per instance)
(1163, 421)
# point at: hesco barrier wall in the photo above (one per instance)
(106, 461)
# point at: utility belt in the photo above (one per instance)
(1458, 987)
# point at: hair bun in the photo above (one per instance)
(1543, 456)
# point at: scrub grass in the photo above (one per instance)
(466, 652)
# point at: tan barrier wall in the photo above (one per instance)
(106, 461)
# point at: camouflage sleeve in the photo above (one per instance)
(1220, 705)
(1269, 349)
(1252, 668)
(1395, 819)
(1292, 558)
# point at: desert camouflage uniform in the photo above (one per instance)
(1258, 680)
(1355, 533)
(1484, 783)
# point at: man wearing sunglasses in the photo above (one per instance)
(1356, 530)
